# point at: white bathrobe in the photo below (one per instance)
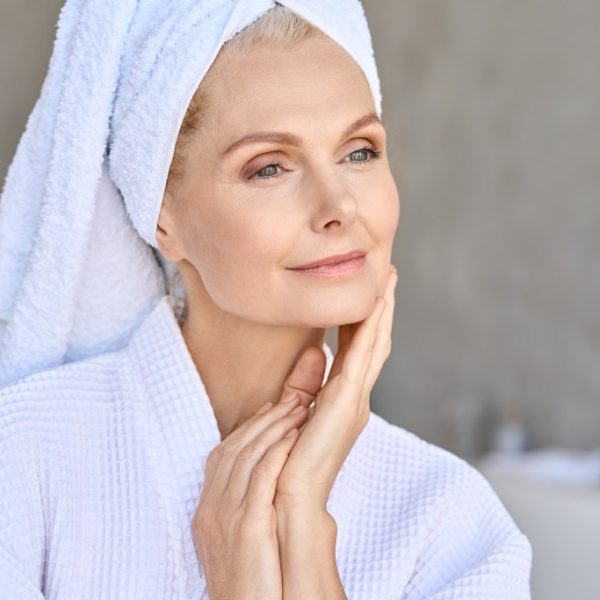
(101, 468)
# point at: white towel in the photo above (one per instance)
(79, 264)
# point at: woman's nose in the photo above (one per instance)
(333, 203)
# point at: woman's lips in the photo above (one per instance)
(335, 269)
(334, 258)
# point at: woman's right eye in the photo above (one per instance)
(267, 171)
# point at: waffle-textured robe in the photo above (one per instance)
(102, 462)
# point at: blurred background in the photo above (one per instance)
(492, 110)
(493, 114)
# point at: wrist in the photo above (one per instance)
(307, 544)
(287, 504)
(299, 523)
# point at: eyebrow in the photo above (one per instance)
(290, 139)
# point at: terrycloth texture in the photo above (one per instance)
(77, 271)
(102, 464)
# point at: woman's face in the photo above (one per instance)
(305, 187)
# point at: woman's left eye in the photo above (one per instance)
(269, 171)
(371, 152)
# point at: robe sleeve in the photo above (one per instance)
(473, 549)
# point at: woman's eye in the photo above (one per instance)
(266, 172)
(368, 152)
(362, 155)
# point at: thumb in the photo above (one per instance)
(307, 375)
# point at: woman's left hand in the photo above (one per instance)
(342, 408)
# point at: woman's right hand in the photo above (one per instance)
(234, 525)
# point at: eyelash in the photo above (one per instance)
(374, 153)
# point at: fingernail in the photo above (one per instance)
(298, 409)
(290, 397)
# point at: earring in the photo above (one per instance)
(177, 299)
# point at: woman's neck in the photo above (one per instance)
(243, 364)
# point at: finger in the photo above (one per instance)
(263, 481)
(250, 457)
(307, 375)
(345, 334)
(222, 458)
(383, 338)
(359, 353)
(367, 345)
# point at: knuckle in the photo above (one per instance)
(246, 454)
(231, 449)
(261, 471)
(213, 458)
(216, 452)
(201, 518)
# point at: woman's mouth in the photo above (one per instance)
(345, 267)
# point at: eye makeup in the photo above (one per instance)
(373, 153)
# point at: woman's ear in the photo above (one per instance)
(167, 235)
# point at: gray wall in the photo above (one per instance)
(27, 29)
(492, 110)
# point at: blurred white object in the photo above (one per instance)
(562, 521)
(510, 435)
(552, 465)
(510, 438)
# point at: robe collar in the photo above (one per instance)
(168, 378)
(181, 430)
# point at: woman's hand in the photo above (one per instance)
(234, 526)
(341, 409)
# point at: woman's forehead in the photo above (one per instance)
(273, 82)
(272, 62)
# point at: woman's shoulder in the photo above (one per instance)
(77, 375)
(453, 526)
(417, 482)
(97, 379)
(53, 398)
(393, 450)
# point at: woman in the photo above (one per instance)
(223, 452)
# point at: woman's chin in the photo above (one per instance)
(332, 314)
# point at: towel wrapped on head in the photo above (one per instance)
(79, 261)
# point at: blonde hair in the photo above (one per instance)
(278, 24)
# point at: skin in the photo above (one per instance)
(263, 509)
(254, 327)
(233, 237)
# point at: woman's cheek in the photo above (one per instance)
(391, 209)
(384, 215)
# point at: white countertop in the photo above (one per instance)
(562, 522)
